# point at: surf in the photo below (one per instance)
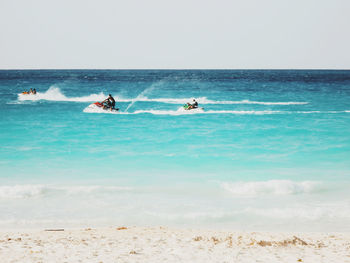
(271, 187)
(28, 191)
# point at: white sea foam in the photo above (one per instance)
(200, 111)
(34, 191)
(301, 212)
(141, 95)
(317, 111)
(55, 94)
(304, 212)
(76, 205)
(92, 108)
(181, 111)
(271, 187)
(205, 100)
(21, 191)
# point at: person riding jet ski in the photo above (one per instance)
(190, 106)
(110, 103)
(194, 104)
(31, 91)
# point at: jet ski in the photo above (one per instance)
(188, 107)
(102, 106)
(27, 93)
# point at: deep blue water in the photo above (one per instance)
(270, 148)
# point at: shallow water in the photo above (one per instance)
(271, 149)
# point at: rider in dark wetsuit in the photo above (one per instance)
(194, 104)
(110, 101)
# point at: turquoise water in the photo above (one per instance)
(270, 150)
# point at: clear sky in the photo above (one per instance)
(186, 34)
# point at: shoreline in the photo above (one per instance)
(168, 244)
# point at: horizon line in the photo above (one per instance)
(340, 69)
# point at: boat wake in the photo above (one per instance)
(205, 100)
(54, 94)
(94, 109)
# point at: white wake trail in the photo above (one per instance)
(205, 100)
(55, 94)
(182, 111)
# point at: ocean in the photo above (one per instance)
(270, 150)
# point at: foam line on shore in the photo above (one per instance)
(271, 187)
(238, 188)
(38, 190)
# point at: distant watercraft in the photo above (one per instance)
(28, 93)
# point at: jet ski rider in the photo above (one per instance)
(110, 101)
(194, 105)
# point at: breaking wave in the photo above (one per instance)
(306, 212)
(272, 187)
(34, 191)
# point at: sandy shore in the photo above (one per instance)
(159, 244)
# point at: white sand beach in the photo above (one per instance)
(163, 244)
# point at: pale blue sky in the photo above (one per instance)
(175, 34)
